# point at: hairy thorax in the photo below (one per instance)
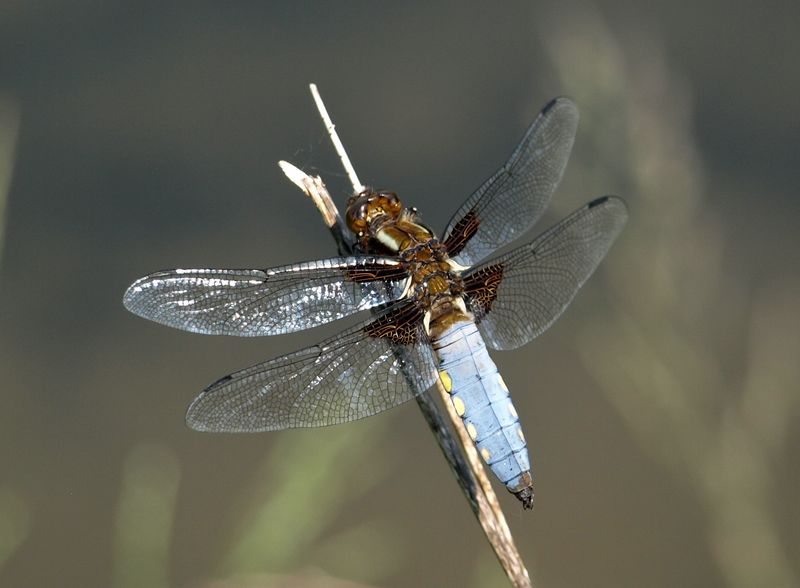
(383, 225)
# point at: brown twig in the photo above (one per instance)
(459, 451)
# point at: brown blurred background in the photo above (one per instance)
(662, 411)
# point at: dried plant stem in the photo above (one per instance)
(460, 452)
(358, 187)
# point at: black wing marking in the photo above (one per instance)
(508, 204)
(357, 373)
(517, 296)
(253, 302)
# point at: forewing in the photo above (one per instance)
(251, 302)
(517, 296)
(360, 372)
(508, 204)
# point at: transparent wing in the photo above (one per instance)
(251, 302)
(517, 296)
(360, 372)
(508, 204)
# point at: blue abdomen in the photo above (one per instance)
(481, 399)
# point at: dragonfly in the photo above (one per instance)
(436, 306)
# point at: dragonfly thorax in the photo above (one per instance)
(383, 224)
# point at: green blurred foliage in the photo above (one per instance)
(9, 128)
(144, 516)
(15, 523)
(663, 374)
(303, 487)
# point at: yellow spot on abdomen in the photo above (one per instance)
(502, 382)
(458, 404)
(485, 454)
(521, 434)
(446, 381)
(512, 410)
(473, 432)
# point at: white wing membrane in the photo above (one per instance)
(508, 204)
(536, 282)
(352, 375)
(251, 302)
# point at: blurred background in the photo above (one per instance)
(662, 411)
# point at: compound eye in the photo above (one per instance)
(356, 216)
(393, 203)
(360, 218)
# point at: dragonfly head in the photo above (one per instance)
(370, 209)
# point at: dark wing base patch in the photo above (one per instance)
(401, 325)
(481, 288)
(461, 233)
